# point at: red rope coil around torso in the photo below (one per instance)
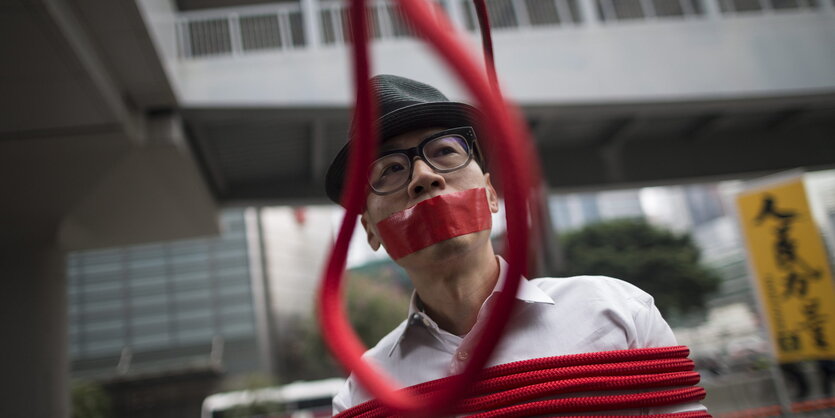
(657, 377)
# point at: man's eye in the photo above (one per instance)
(447, 150)
(392, 169)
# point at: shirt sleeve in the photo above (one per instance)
(651, 328)
(342, 400)
(653, 331)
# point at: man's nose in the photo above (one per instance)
(424, 179)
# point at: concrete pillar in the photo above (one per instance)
(33, 325)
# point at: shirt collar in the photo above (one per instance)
(527, 292)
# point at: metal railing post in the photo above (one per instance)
(235, 34)
(523, 20)
(310, 22)
(588, 13)
(711, 9)
(648, 9)
(456, 12)
(284, 30)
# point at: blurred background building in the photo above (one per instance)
(128, 125)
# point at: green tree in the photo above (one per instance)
(89, 400)
(375, 306)
(662, 263)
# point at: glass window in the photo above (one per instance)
(94, 336)
(109, 256)
(102, 268)
(198, 314)
(146, 300)
(151, 341)
(231, 269)
(139, 263)
(108, 324)
(235, 300)
(194, 304)
(146, 272)
(186, 275)
(156, 317)
(91, 278)
(204, 295)
(102, 306)
(191, 246)
(145, 288)
(99, 348)
(104, 290)
(238, 329)
(233, 252)
(233, 310)
(236, 290)
(139, 331)
(195, 334)
(190, 258)
(146, 251)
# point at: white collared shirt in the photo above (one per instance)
(559, 316)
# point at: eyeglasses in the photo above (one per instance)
(445, 151)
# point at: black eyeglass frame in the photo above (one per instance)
(465, 132)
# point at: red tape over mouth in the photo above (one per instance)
(434, 220)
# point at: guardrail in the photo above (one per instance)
(204, 34)
(247, 29)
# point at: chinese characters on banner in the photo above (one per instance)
(791, 270)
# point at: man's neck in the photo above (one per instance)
(452, 294)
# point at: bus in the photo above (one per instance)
(295, 400)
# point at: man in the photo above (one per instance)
(429, 205)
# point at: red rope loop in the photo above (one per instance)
(505, 128)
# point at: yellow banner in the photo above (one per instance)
(791, 271)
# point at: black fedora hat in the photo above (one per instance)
(404, 105)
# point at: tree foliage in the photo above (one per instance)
(662, 263)
(89, 400)
(375, 306)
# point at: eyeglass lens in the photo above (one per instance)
(445, 154)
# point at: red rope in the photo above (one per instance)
(506, 385)
(599, 403)
(486, 41)
(504, 126)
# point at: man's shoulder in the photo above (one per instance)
(591, 286)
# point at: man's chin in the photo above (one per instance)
(450, 249)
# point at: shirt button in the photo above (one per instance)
(462, 355)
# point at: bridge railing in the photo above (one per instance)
(282, 27)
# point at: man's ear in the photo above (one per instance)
(492, 196)
(370, 233)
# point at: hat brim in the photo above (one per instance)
(398, 122)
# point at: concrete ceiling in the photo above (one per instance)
(280, 155)
(81, 90)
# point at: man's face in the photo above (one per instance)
(425, 183)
